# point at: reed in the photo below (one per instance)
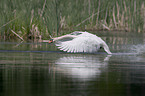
(40, 18)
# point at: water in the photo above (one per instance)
(40, 69)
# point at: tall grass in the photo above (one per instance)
(40, 18)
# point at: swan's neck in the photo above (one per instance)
(64, 36)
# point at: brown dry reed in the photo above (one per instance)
(38, 19)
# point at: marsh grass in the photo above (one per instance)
(36, 19)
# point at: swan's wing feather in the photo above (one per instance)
(79, 44)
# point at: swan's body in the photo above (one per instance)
(80, 42)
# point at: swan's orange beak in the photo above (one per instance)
(50, 41)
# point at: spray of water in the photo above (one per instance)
(138, 49)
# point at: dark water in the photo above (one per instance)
(40, 69)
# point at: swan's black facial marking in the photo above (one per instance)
(50, 41)
(76, 33)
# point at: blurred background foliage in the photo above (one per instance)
(40, 18)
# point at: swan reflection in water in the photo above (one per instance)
(84, 67)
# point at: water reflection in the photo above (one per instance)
(83, 67)
(131, 68)
(51, 74)
(39, 72)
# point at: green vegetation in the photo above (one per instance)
(41, 18)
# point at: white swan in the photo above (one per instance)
(80, 42)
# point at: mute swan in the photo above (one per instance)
(80, 42)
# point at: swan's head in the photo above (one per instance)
(51, 41)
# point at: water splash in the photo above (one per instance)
(138, 49)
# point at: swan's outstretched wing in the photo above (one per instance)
(79, 44)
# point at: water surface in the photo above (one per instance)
(40, 69)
